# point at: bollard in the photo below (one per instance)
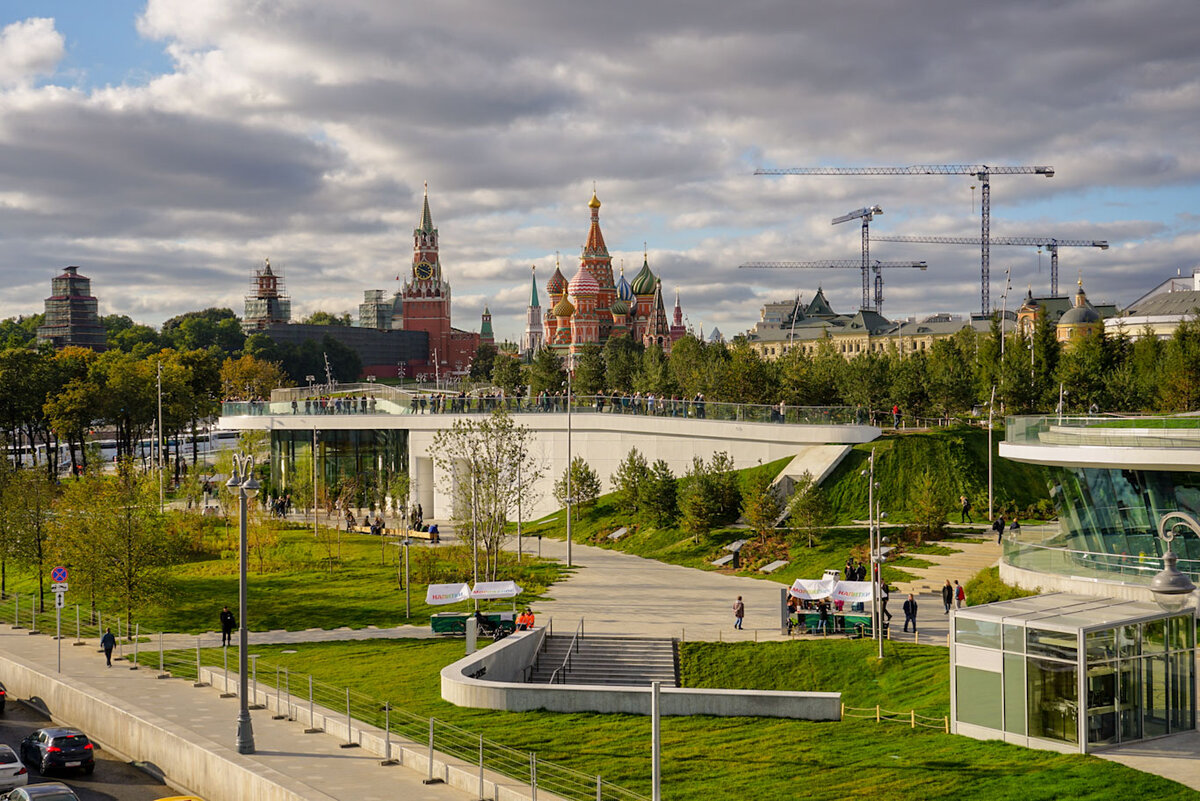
(287, 689)
(430, 779)
(916, 638)
(278, 698)
(198, 682)
(532, 776)
(33, 628)
(312, 725)
(481, 767)
(912, 719)
(16, 611)
(387, 735)
(946, 723)
(877, 713)
(162, 669)
(78, 639)
(225, 687)
(254, 704)
(136, 637)
(349, 730)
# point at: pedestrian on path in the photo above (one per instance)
(998, 527)
(822, 617)
(739, 612)
(108, 642)
(960, 595)
(883, 601)
(965, 505)
(910, 612)
(947, 596)
(227, 626)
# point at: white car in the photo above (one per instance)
(12, 772)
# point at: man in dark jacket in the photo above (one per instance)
(108, 642)
(947, 596)
(998, 527)
(910, 612)
(227, 626)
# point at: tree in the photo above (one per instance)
(660, 493)
(621, 358)
(327, 318)
(589, 371)
(652, 374)
(585, 486)
(910, 384)
(249, 377)
(951, 379)
(28, 500)
(725, 488)
(483, 465)
(506, 374)
(760, 505)
(630, 481)
(484, 361)
(1180, 388)
(1082, 369)
(931, 506)
(546, 372)
(808, 509)
(262, 536)
(699, 508)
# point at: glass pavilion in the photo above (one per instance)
(1072, 673)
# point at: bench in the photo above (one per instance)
(412, 533)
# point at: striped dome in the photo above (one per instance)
(620, 306)
(584, 283)
(557, 283)
(644, 281)
(624, 290)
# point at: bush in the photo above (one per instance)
(987, 587)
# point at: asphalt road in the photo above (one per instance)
(113, 780)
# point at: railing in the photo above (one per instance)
(1111, 431)
(313, 703)
(374, 400)
(911, 717)
(528, 671)
(565, 667)
(1060, 560)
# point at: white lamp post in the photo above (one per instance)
(242, 482)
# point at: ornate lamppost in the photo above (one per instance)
(242, 483)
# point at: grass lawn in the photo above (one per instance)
(296, 592)
(745, 758)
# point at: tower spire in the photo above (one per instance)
(426, 217)
(533, 296)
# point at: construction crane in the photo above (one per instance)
(866, 214)
(1049, 243)
(842, 264)
(980, 171)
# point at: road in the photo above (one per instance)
(113, 780)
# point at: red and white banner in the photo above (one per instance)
(439, 594)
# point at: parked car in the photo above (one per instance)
(57, 747)
(3, 697)
(48, 791)
(12, 772)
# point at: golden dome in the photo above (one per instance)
(563, 308)
(594, 203)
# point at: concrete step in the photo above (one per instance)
(608, 661)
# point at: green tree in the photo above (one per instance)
(506, 374)
(748, 378)
(865, 382)
(699, 507)
(484, 361)
(652, 374)
(931, 506)
(660, 494)
(589, 371)
(621, 359)
(809, 511)
(327, 318)
(630, 481)
(584, 486)
(1082, 368)
(760, 505)
(951, 379)
(1180, 387)
(546, 373)
(910, 384)
(28, 502)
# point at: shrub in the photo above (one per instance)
(987, 587)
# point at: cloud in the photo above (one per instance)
(28, 49)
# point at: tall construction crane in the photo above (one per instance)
(1049, 243)
(842, 264)
(866, 214)
(980, 171)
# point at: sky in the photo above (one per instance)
(167, 148)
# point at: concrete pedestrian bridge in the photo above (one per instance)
(366, 427)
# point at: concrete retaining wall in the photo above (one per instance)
(463, 684)
(1080, 585)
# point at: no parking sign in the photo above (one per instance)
(58, 575)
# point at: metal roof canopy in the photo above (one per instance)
(1064, 612)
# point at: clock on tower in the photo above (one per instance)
(424, 271)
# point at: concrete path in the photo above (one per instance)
(313, 766)
(1176, 758)
(969, 558)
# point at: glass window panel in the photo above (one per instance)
(1129, 640)
(1014, 693)
(1154, 637)
(978, 694)
(1101, 646)
(1052, 700)
(1102, 703)
(984, 633)
(1154, 696)
(1129, 698)
(1054, 644)
(1182, 632)
(1014, 638)
(1183, 692)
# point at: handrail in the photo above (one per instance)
(574, 646)
(528, 671)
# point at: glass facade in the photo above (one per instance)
(1138, 680)
(366, 455)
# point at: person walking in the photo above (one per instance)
(910, 612)
(822, 616)
(965, 505)
(947, 596)
(960, 595)
(883, 602)
(739, 612)
(227, 626)
(998, 527)
(108, 642)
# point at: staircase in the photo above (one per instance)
(608, 660)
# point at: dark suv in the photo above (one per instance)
(47, 749)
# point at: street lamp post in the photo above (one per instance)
(568, 462)
(991, 492)
(1172, 588)
(242, 482)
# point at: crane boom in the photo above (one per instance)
(832, 264)
(1051, 244)
(981, 171)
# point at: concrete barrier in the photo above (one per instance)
(492, 679)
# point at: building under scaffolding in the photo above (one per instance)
(268, 302)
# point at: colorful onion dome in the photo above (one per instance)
(584, 283)
(563, 308)
(624, 290)
(594, 203)
(557, 283)
(644, 282)
(620, 306)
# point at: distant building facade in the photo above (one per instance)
(71, 314)
(268, 302)
(531, 339)
(1160, 311)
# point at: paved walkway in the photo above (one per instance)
(314, 766)
(1176, 758)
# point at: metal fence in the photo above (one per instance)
(312, 703)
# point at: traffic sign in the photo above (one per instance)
(58, 574)
(59, 588)
(60, 600)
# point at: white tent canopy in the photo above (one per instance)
(816, 589)
(485, 590)
(440, 594)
